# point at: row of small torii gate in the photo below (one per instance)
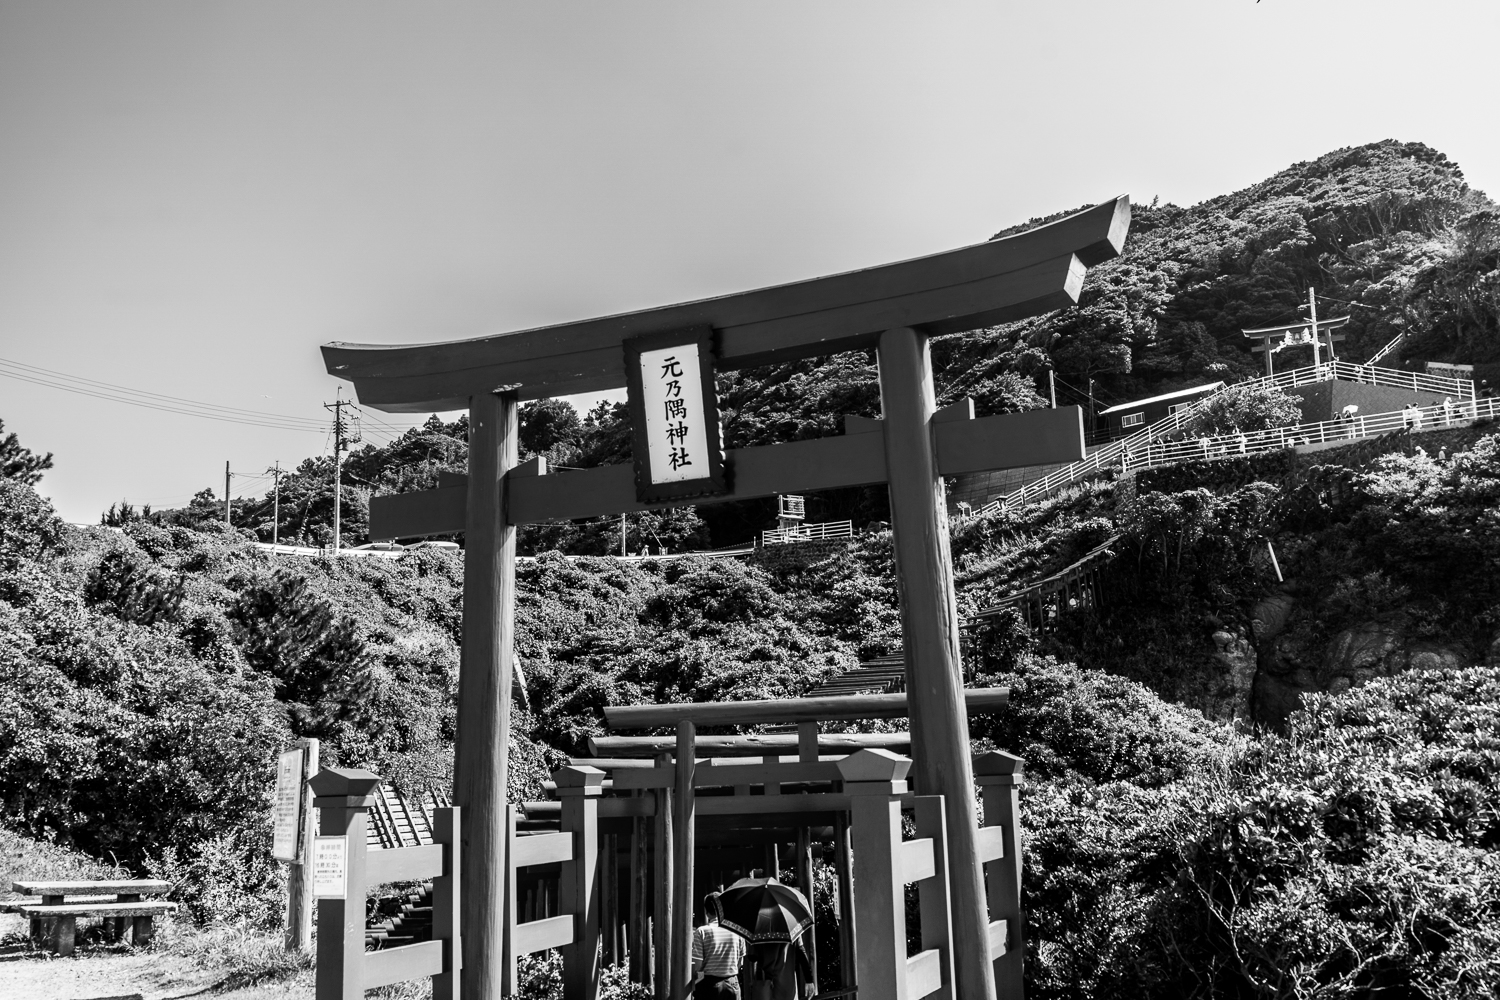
(667, 358)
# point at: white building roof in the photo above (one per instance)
(1197, 390)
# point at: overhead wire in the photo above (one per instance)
(163, 402)
(153, 400)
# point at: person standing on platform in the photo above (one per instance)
(718, 954)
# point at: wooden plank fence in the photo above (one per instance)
(345, 970)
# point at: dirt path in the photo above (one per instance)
(152, 976)
(96, 972)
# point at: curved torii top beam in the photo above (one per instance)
(1005, 279)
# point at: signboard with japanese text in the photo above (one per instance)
(286, 808)
(330, 859)
(675, 416)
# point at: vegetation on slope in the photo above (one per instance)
(149, 674)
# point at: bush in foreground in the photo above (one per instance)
(1354, 856)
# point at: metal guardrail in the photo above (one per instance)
(1323, 432)
(1110, 455)
(804, 532)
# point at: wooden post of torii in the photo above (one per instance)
(894, 309)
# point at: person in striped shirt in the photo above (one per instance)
(718, 954)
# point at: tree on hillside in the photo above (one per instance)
(1454, 300)
(1240, 409)
(314, 655)
(18, 463)
(128, 583)
(550, 427)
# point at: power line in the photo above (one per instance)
(113, 392)
(154, 401)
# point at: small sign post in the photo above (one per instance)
(286, 811)
(293, 824)
(330, 866)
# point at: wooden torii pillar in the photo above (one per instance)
(894, 309)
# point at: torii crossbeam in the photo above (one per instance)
(895, 309)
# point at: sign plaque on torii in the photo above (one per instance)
(895, 309)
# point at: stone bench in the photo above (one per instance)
(54, 917)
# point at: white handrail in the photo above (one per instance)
(803, 532)
(1110, 454)
(1388, 348)
(1258, 442)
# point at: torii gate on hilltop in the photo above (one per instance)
(895, 309)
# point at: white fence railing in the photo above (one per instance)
(1109, 456)
(327, 551)
(804, 532)
(1370, 375)
(1324, 432)
(1387, 349)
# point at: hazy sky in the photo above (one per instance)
(195, 195)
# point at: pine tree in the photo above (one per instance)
(21, 463)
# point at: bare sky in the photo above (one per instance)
(195, 195)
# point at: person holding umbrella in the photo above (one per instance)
(773, 918)
(718, 954)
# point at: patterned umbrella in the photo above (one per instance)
(763, 911)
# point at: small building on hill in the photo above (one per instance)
(1127, 418)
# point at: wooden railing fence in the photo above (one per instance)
(345, 970)
(872, 799)
(576, 849)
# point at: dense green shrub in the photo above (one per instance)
(1353, 855)
(129, 584)
(315, 657)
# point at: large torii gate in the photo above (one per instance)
(896, 309)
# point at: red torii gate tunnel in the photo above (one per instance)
(895, 309)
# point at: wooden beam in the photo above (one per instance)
(929, 629)
(638, 944)
(1022, 275)
(405, 864)
(1007, 440)
(550, 932)
(484, 682)
(397, 965)
(683, 805)
(744, 746)
(662, 876)
(726, 777)
(785, 710)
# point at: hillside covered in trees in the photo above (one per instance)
(1237, 785)
(1389, 234)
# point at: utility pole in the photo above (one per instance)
(226, 495)
(1093, 420)
(1312, 310)
(275, 472)
(1052, 386)
(341, 442)
(622, 534)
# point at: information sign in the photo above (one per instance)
(286, 810)
(674, 414)
(330, 860)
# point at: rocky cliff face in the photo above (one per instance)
(1293, 659)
